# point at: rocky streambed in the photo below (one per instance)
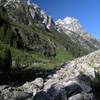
(76, 80)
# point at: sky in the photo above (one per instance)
(87, 11)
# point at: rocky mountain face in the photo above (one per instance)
(71, 24)
(24, 25)
(72, 27)
(22, 20)
(30, 13)
(73, 81)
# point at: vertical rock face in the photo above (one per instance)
(31, 10)
(72, 27)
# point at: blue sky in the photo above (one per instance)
(87, 11)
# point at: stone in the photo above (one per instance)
(73, 89)
(2, 87)
(57, 92)
(89, 96)
(85, 83)
(39, 82)
(10, 93)
(77, 97)
(41, 96)
(20, 95)
(34, 86)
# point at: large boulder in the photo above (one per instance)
(41, 96)
(73, 89)
(39, 82)
(77, 97)
(57, 92)
(34, 86)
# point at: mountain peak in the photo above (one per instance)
(72, 27)
(70, 23)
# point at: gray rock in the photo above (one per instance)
(41, 96)
(39, 82)
(21, 96)
(2, 87)
(34, 86)
(85, 83)
(10, 93)
(57, 92)
(89, 96)
(82, 96)
(77, 97)
(73, 89)
(29, 87)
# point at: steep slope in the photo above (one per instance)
(74, 29)
(23, 15)
(31, 33)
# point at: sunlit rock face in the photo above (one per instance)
(70, 23)
(32, 11)
(72, 27)
(27, 22)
